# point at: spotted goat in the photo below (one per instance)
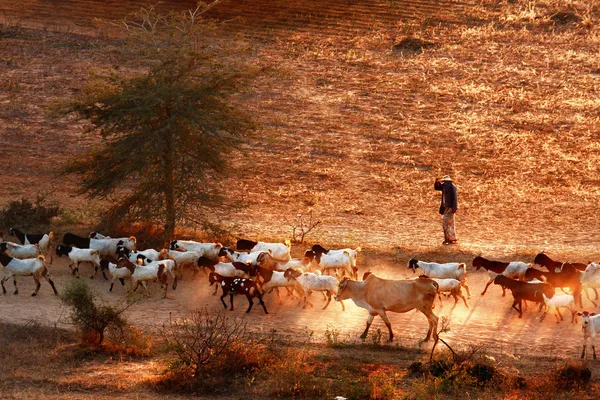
(232, 286)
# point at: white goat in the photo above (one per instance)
(43, 239)
(308, 281)
(116, 272)
(182, 259)
(275, 280)
(141, 274)
(77, 256)
(208, 250)
(339, 263)
(147, 255)
(452, 270)
(267, 261)
(35, 267)
(353, 253)
(106, 247)
(280, 251)
(236, 256)
(556, 302)
(516, 270)
(590, 278)
(20, 251)
(452, 286)
(170, 267)
(590, 325)
(229, 270)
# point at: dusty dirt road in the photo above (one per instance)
(489, 321)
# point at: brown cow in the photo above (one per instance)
(380, 295)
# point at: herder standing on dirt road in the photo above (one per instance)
(448, 207)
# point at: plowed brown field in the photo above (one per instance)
(265, 18)
(505, 103)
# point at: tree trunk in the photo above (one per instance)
(169, 189)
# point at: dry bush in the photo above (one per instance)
(27, 215)
(305, 373)
(213, 353)
(276, 369)
(201, 338)
(455, 371)
(572, 375)
(481, 375)
(333, 337)
(129, 343)
(231, 373)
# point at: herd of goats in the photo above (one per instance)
(255, 268)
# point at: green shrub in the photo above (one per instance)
(91, 318)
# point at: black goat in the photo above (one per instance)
(525, 291)
(545, 261)
(514, 269)
(71, 239)
(564, 275)
(245, 245)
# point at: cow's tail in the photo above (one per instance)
(436, 288)
(50, 244)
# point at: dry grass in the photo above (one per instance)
(40, 361)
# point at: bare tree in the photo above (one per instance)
(445, 327)
(302, 226)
